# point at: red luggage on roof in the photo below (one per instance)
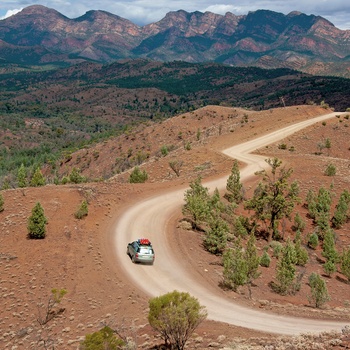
(144, 241)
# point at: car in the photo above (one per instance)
(141, 251)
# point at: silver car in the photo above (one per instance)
(141, 251)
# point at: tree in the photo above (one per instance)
(302, 256)
(175, 316)
(285, 270)
(37, 222)
(234, 185)
(22, 176)
(235, 266)
(330, 253)
(75, 177)
(215, 239)
(197, 203)
(274, 198)
(138, 176)
(37, 179)
(322, 210)
(252, 260)
(341, 210)
(82, 211)
(319, 293)
(345, 263)
(2, 202)
(104, 339)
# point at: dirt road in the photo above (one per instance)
(151, 216)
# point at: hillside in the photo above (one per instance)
(48, 114)
(39, 36)
(78, 255)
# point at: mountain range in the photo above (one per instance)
(266, 39)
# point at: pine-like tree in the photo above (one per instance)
(274, 198)
(330, 253)
(215, 239)
(22, 176)
(341, 210)
(235, 266)
(286, 270)
(37, 223)
(252, 260)
(197, 203)
(345, 263)
(319, 293)
(37, 179)
(234, 186)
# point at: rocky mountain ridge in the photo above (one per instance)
(263, 38)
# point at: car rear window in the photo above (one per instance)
(146, 250)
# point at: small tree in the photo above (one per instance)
(104, 339)
(37, 222)
(302, 256)
(234, 186)
(313, 241)
(319, 293)
(138, 176)
(265, 259)
(75, 177)
(341, 210)
(285, 270)
(330, 253)
(2, 202)
(299, 223)
(235, 266)
(37, 179)
(252, 260)
(274, 198)
(175, 316)
(176, 166)
(48, 311)
(197, 203)
(345, 263)
(22, 176)
(215, 239)
(82, 211)
(331, 170)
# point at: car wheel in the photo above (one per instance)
(133, 259)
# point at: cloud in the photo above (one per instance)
(10, 13)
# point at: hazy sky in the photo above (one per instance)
(143, 12)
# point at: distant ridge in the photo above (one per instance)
(266, 39)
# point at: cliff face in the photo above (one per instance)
(262, 38)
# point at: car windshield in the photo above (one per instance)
(146, 250)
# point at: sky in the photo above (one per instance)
(143, 12)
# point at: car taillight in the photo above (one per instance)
(137, 255)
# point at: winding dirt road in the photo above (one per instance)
(167, 274)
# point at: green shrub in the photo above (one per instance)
(37, 223)
(175, 316)
(82, 211)
(276, 248)
(331, 170)
(138, 176)
(164, 150)
(37, 179)
(313, 241)
(265, 259)
(319, 293)
(75, 177)
(104, 339)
